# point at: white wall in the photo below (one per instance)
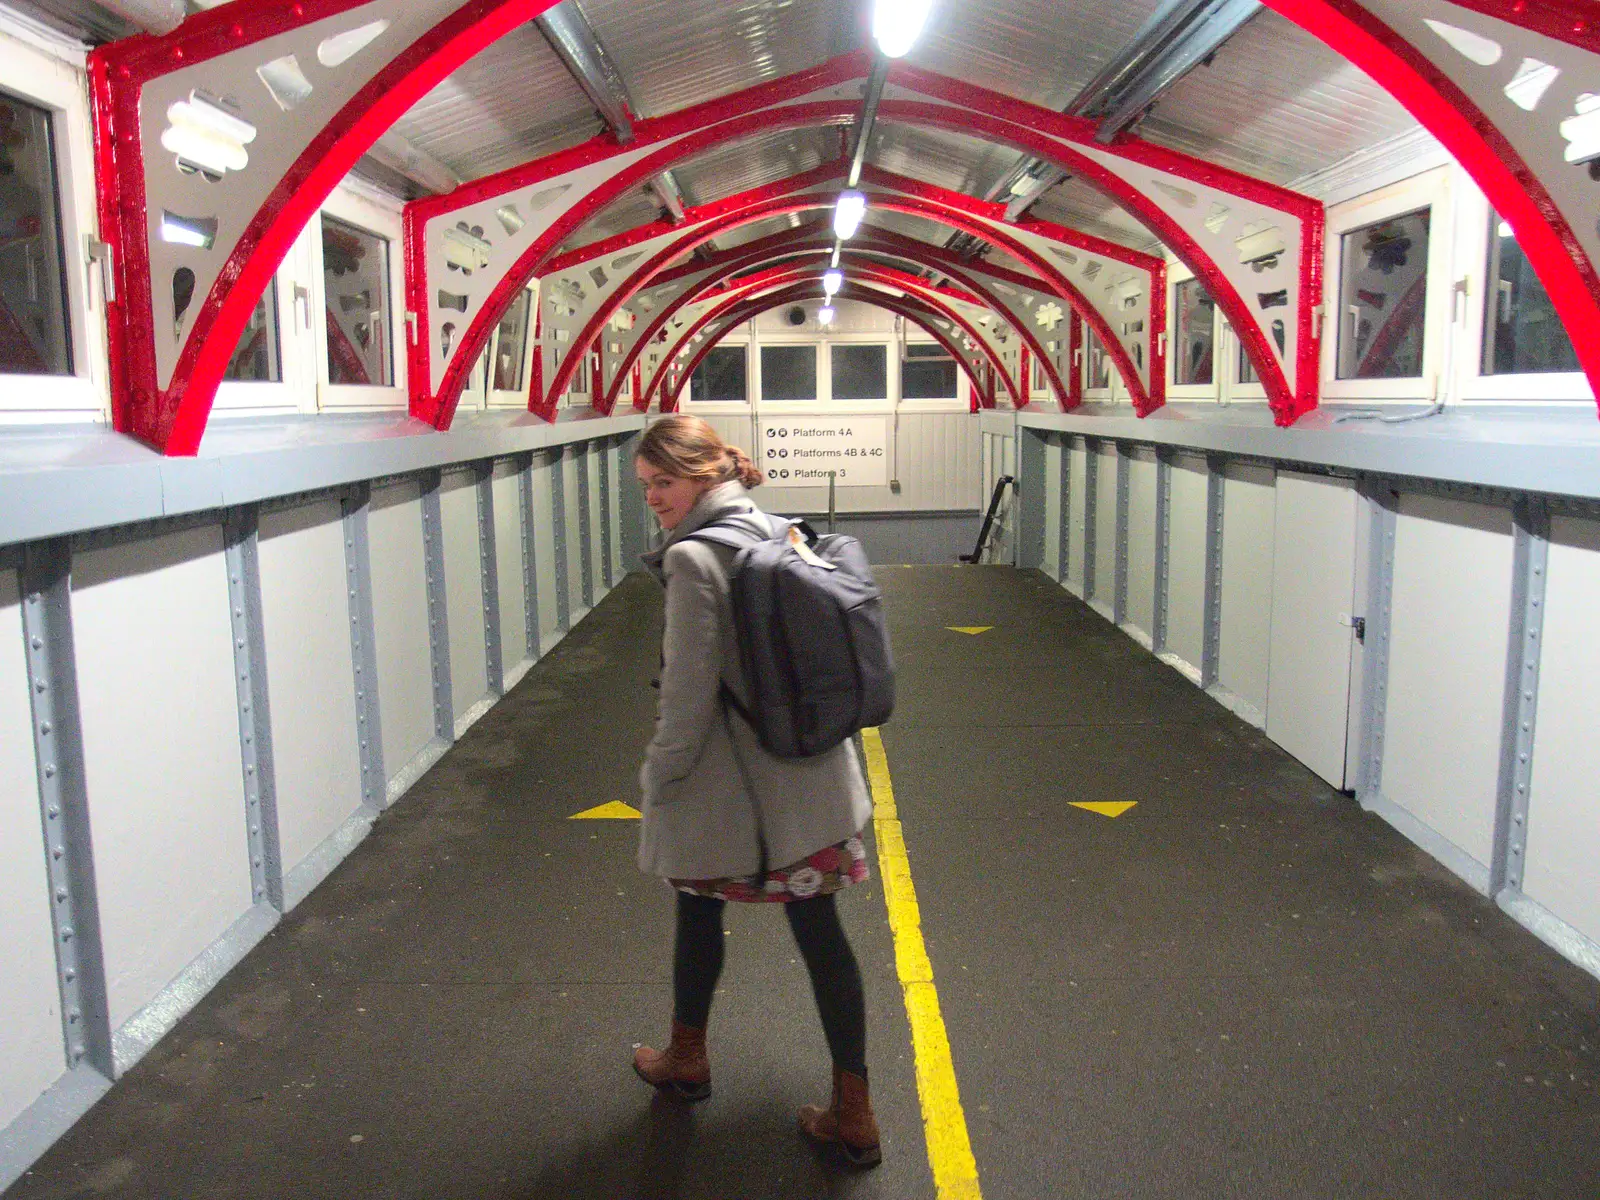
(306, 614)
(463, 569)
(1105, 529)
(1141, 612)
(508, 565)
(1447, 670)
(1186, 566)
(1563, 868)
(400, 617)
(1077, 515)
(162, 755)
(1247, 547)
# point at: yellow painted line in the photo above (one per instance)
(969, 630)
(616, 810)
(1106, 808)
(955, 1171)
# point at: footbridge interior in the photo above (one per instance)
(1236, 829)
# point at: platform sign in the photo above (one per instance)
(800, 451)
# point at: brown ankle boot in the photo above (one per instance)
(848, 1121)
(682, 1069)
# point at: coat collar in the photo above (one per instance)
(718, 502)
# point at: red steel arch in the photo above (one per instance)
(755, 307)
(929, 298)
(909, 205)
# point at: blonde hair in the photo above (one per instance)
(689, 448)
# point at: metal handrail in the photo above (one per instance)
(988, 517)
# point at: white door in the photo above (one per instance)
(1313, 589)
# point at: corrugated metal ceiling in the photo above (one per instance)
(1274, 102)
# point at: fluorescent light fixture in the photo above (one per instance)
(1505, 231)
(847, 214)
(896, 24)
(832, 281)
(825, 315)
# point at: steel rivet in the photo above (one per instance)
(50, 773)
(58, 852)
(69, 974)
(44, 727)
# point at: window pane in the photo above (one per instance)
(33, 306)
(255, 358)
(1196, 325)
(1099, 364)
(860, 372)
(1383, 299)
(355, 280)
(788, 372)
(720, 375)
(927, 373)
(513, 345)
(1521, 332)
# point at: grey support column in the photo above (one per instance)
(1211, 653)
(64, 805)
(530, 573)
(607, 569)
(1030, 498)
(241, 527)
(1091, 514)
(444, 719)
(1064, 524)
(558, 518)
(633, 517)
(1119, 599)
(1380, 611)
(489, 573)
(1529, 578)
(580, 462)
(1158, 635)
(364, 648)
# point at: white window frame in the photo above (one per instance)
(1471, 384)
(296, 389)
(502, 398)
(1230, 358)
(727, 407)
(1101, 395)
(1433, 191)
(891, 376)
(756, 383)
(40, 69)
(378, 214)
(1177, 275)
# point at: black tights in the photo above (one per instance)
(835, 977)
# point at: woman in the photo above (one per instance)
(723, 819)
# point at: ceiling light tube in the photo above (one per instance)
(897, 23)
(847, 214)
(825, 315)
(832, 281)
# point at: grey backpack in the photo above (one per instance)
(812, 638)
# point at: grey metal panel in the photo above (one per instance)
(1064, 532)
(1385, 511)
(1030, 501)
(594, 525)
(444, 724)
(1091, 515)
(632, 515)
(241, 527)
(364, 648)
(530, 559)
(489, 572)
(1119, 603)
(562, 536)
(1158, 635)
(574, 491)
(1216, 485)
(1531, 448)
(64, 804)
(1523, 653)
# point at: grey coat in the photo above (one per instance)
(701, 820)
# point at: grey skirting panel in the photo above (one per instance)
(58, 481)
(1545, 449)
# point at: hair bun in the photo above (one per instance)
(745, 471)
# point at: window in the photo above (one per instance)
(580, 379)
(355, 278)
(1099, 377)
(860, 372)
(789, 372)
(720, 376)
(257, 357)
(927, 372)
(33, 302)
(511, 345)
(1383, 298)
(1522, 335)
(1195, 321)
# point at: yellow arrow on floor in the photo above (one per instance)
(1112, 808)
(616, 810)
(969, 630)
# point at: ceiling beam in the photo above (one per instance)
(580, 50)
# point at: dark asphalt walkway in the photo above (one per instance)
(1243, 986)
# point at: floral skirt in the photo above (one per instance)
(826, 871)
